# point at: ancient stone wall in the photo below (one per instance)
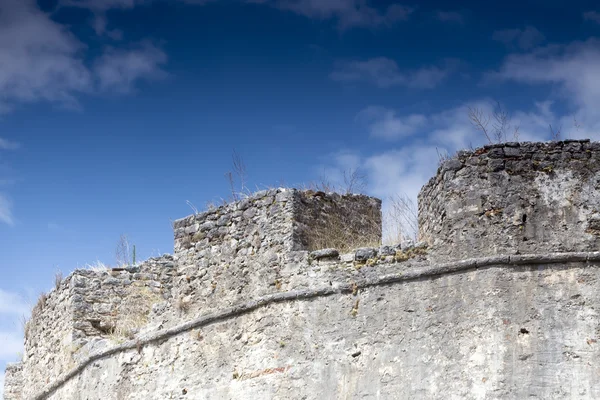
(499, 300)
(514, 197)
(87, 306)
(251, 247)
(529, 328)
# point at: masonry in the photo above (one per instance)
(288, 294)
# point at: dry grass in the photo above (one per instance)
(58, 279)
(97, 266)
(133, 314)
(40, 305)
(400, 220)
(344, 233)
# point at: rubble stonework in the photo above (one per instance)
(514, 197)
(263, 298)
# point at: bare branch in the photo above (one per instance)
(480, 121)
(442, 156)
(355, 181)
(500, 124)
(555, 134)
(231, 181)
(516, 133)
(122, 251)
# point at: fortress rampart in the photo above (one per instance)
(263, 298)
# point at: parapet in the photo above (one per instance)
(514, 198)
(277, 222)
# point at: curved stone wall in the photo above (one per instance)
(529, 327)
(514, 198)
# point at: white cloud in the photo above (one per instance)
(385, 73)
(592, 16)
(525, 39)
(450, 16)
(386, 124)
(6, 144)
(41, 60)
(12, 303)
(572, 69)
(118, 70)
(11, 344)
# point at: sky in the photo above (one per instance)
(119, 116)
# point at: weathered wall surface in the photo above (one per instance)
(514, 197)
(523, 331)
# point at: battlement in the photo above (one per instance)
(277, 222)
(514, 198)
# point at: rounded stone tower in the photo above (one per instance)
(514, 198)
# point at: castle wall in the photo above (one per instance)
(49, 338)
(514, 197)
(251, 247)
(246, 309)
(90, 306)
(529, 327)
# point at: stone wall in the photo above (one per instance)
(13, 381)
(86, 307)
(528, 328)
(514, 197)
(253, 246)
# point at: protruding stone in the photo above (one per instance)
(324, 253)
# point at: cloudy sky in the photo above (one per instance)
(115, 113)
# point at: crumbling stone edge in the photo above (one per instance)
(336, 288)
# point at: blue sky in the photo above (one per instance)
(114, 113)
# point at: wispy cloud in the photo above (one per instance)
(348, 13)
(385, 72)
(524, 39)
(450, 17)
(6, 144)
(572, 69)
(592, 16)
(118, 70)
(43, 61)
(384, 123)
(12, 303)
